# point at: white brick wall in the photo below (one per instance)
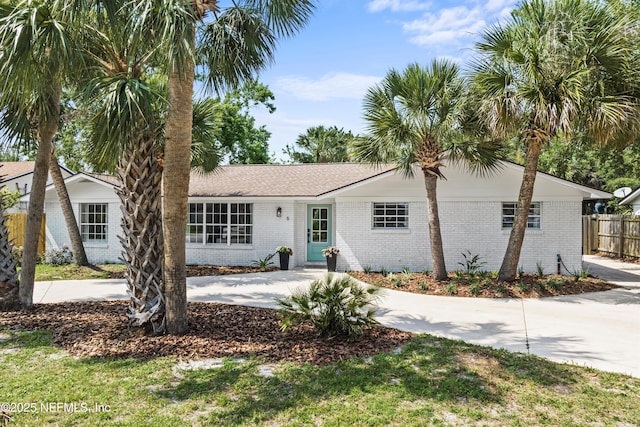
(269, 232)
(96, 253)
(466, 226)
(361, 246)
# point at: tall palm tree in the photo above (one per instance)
(415, 116)
(37, 50)
(234, 43)
(556, 66)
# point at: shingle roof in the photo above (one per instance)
(300, 180)
(10, 170)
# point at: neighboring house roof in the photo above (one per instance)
(11, 170)
(299, 180)
(631, 197)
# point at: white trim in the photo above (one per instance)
(631, 197)
(355, 185)
(593, 193)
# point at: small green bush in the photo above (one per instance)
(471, 262)
(367, 268)
(263, 263)
(451, 289)
(334, 305)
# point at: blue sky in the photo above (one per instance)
(321, 75)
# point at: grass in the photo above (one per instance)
(48, 272)
(431, 381)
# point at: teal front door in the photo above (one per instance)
(318, 231)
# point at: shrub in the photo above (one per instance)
(451, 289)
(334, 305)
(60, 256)
(471, 262)
(263, 263)
(367, 268)
(384, 271)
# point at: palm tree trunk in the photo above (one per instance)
(175, 188)
(47, 130)
(79, 255)
(9, 283)
(439, 271)
(509, 267)
(142, 244)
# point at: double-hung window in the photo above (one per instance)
(221, 223)
(509, 211)
(94, 220)
(390, 216)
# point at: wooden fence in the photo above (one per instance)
(17, 223)
(617, 235)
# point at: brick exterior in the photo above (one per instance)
(465, 226)
(470, 218)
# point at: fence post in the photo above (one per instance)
(621, 248)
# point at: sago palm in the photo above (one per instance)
(555, 67)
(414, 117)
(234, 43)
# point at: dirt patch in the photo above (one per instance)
(101, 329)
(485, 285)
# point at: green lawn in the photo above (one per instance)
(431, 381)
(48, 272)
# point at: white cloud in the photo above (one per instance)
(447, 27)
(398, 5)
(331, 86)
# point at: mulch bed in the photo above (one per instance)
(526, 286)
(101, 329)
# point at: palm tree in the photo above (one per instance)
(557, 66)
(415, 116)
(9, 283)
(320, 145)
(37, 50)
(234, 44)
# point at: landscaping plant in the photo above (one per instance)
(336, 305)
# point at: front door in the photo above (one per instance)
(318, 231)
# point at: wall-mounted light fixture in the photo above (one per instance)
(279, 212)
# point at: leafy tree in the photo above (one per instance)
(416, 116)
(554, 68)
(320, 145)
(239, 139)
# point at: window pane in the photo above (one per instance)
(94, 222)
(390, 215)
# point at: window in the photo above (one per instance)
(93, 222)
(390, 215)
(509, 215)
(226, 223)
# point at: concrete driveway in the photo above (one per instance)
(601, 330)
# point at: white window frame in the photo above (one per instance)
(88, 221)
(220, 223)
(390, 218)
(509, 212)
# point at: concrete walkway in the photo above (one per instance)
(601, 330)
